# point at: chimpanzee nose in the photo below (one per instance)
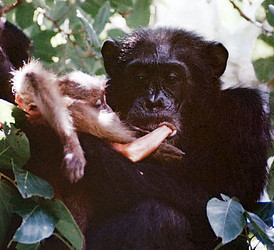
(154, 102)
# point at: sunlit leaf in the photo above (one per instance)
(65, 223)
(268, 5)
(30, 185)
(262, 231)
(226, 218)
(36, 224)
(140, 14)
(102, 18)
(93, 38)
(11, 114)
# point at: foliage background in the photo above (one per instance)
(68, 35)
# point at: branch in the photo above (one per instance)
(7, 9)
(243, 15)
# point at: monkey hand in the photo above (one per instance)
(146, 145)
(74, 163)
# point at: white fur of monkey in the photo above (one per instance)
(73, 102)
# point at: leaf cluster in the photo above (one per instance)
(27, 195)
(264, 66)
(68, 35)
(230, 220)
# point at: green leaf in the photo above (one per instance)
(9, 2)
(5, 161)
(51, 4)
(263, 232)
(11, 114)
(42, 44)
(60, 12)
(116, 33)
(102, 18)
(268, 5)
(140, 14)
(21, 246)
(122, 6)
(226, 218)
(267, 39)
(65, 223)
(15, 145)
(6, 193)
(24, 14)
(91, 7)
(92, 36)
(36, 224)
(264, 68)
(5, 152)
(265, 211)
(30, 185)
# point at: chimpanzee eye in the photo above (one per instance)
(172, 77)
(140, 77)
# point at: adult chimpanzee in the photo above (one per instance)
(164, 75)
(169, 75)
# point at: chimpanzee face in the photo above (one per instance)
(156, 91)
(154, 73)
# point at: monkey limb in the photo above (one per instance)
(76, 103)
(144, 146)
(36, 86)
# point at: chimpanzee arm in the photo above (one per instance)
(117, 182)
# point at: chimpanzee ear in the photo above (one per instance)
(110, 52)
(216, 57)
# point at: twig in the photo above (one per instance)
(243, 15)
(7, 9)
(9, 179)
(63, 240)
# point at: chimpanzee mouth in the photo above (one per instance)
(145, 123)
(145, 129)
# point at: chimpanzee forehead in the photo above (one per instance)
(158, 45)
(155, 51)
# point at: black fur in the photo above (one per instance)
(14, 50)
(148, 205)
(224, 133)
(5, 69)
(15, 43)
